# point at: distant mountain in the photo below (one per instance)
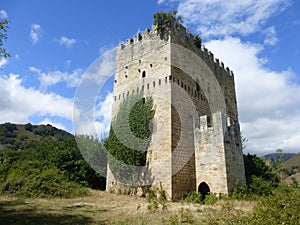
(275, 157)
(18, 136)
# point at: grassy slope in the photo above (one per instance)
(294, 161)
(104, 208)
(22, 132)
(292, 165)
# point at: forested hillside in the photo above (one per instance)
(44, 161)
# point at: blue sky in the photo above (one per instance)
(53, 43)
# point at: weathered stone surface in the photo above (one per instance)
(196, 135)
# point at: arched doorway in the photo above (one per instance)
(204, 190)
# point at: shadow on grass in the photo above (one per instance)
(16, 212)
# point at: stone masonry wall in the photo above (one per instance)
(142, 65)
(194, 94)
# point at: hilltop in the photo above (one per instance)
(19, 136)
(44, 161)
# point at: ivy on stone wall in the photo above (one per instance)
(129, 138)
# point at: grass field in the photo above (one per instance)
(104, 208)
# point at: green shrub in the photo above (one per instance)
(186, 216)
(193, 197)
(283, 207)
(261, 187)
(210, 199)
(151, 195)
(36, 179)
(153, 206)
(241, 192)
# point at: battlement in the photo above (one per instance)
(185, 80)
(219, 121)
(176, 33)
(145, 35)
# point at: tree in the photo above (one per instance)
(161, 19)
(95, 154)
(197, 41)
(261, 178)
(3, 36)
(129, 138)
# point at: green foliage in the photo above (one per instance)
(28, 126)
(157, 201)
(163, 19)
(60, 161)
(186, 216)
(94, 152)
(3, 36)
(151, 195)
(24, 137)
(260, 187)
(241, 192)
(261, 179)
(48, 130)
(193, 197)
(257, 166)
(39, 179)
(283, 207)
(129, 138)
(210, 199)
(153, 206)
(197, 41)
(66, 156)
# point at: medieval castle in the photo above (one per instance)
(196, 143)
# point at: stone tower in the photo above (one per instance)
(196, 144)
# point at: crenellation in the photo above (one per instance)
(206, 144)
(188, 39)
(138, 38)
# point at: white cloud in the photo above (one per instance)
(271, 38)
(67, 42)
(103, 114)
(3, 14)
(54, 77)
(18, 103)
(97, 121)
(219, 17)
(92, 116)
(3, 61)
(268, 101)
(49, 121)
(35, 33)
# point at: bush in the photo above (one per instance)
(36, 179)
(210, 199)
(28, 126)
(241, 192)
(283, 207)
(193, 197)
(261, 187)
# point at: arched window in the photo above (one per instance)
(144, 74)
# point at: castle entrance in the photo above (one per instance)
(204, 190)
